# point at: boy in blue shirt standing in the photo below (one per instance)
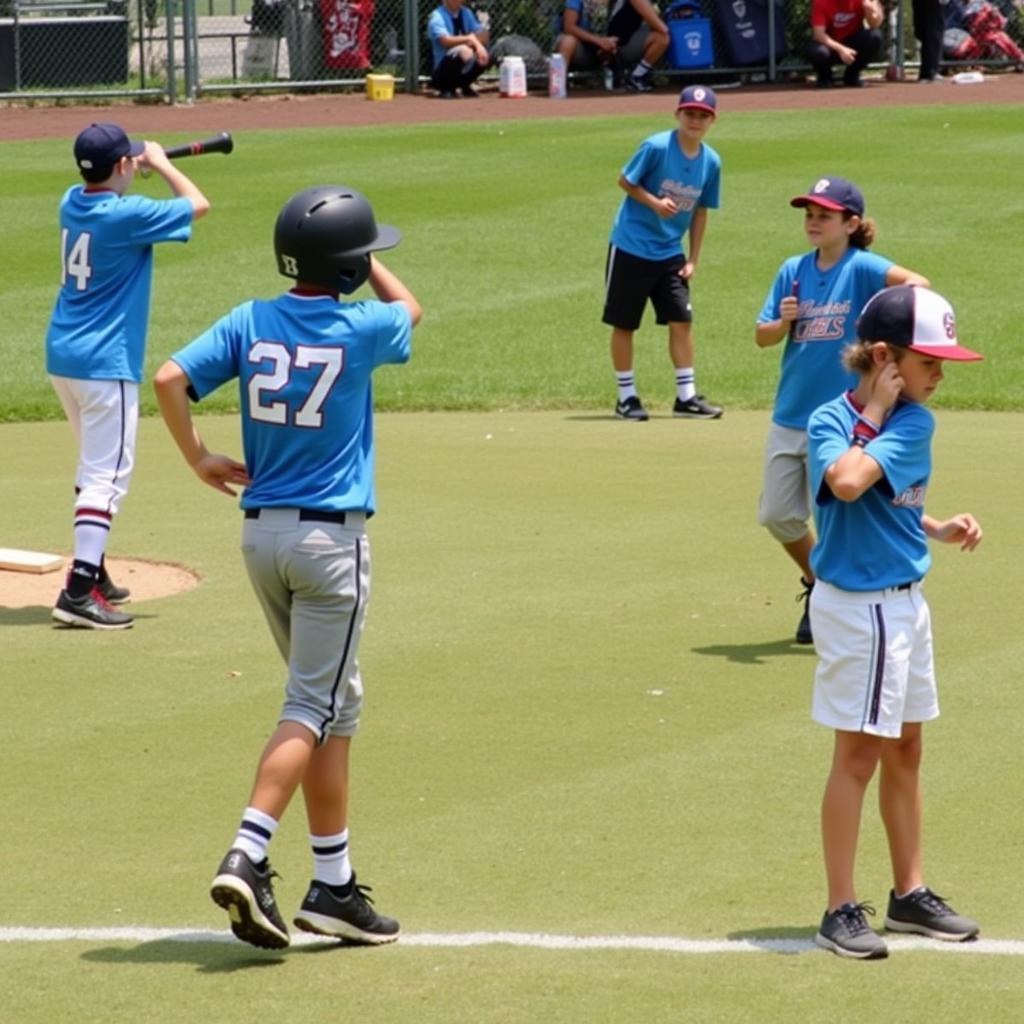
(96, 342)
(670, 184)
(304, 363)
(869, 453)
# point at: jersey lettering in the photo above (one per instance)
(309, 414)
(76, 262)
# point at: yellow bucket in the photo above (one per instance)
(380, 87)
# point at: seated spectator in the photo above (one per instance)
(844, 32)
(635, 37)
(459, 45)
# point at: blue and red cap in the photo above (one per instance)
(909, 316)
(102, 145)
(833, 194)
(698, 97)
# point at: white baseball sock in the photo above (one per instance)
(330, 858)
(685, 383)
(254, 834)
(627, 387)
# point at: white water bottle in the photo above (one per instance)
(556, 77)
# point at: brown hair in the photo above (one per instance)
(857, 356)
(95, 175)
(865, 233)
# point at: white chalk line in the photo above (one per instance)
(527, 940)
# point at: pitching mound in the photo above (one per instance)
(146, 581)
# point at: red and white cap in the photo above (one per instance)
(698, 97)
(908, 316)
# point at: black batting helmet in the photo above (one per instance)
(325, 236)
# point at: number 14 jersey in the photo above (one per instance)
(98, 327)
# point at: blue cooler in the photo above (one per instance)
(689, 44)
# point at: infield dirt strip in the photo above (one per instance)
(352, 110)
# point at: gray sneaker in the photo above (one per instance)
(631, 409)
(112, 593)
(926, 913)
(846, 933)
(89, 612)
(696, 408)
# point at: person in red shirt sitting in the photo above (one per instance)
(844, 32)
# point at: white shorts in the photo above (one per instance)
(875, 667)
(785, 506)
(104, 415)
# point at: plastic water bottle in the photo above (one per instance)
(556, 77)
(609, 78)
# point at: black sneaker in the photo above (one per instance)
(846, 933)
(89, 612)
(631, 409)
(246, 893)
(349, 917)
(112, 593)
(926, 913)
(469, 92)
(696, 409)
(803, 629)
(639, 83)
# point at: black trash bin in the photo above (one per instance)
(743, 31)
(59, 53)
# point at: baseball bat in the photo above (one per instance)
(222, 143)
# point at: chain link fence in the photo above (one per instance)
(182, 49)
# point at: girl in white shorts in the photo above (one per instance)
(869, 459)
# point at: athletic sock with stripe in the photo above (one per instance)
(254, 834)
(331, 864)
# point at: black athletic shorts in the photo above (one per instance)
(631, 280)
(623, 20)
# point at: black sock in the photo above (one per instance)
(82, 578)
(341, 891)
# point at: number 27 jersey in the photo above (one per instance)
(304, 365)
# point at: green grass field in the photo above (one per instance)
(506, 230)
(585, 717)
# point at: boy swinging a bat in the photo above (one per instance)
(95, 345)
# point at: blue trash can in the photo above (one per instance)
(689, 32)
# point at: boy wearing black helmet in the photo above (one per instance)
(304, 363)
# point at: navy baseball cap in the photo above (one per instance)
(102, 145)
(833, 194)
(697, 97)
(909, 316)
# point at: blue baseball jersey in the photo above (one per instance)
(592, 15)
(661, 167)
(304, 366)
(830, 303)
(98, 327)
(582, 9)
(441, 23)
(876, 541)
